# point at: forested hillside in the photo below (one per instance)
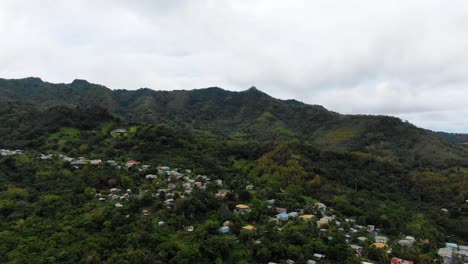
(248, 114)
(91, 175)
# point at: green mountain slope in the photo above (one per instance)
(248, 114)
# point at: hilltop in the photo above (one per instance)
(245, 115)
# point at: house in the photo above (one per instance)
(242, 208)
(131, 163)
(145, 212)
(311, 261)
(249, 187)
(119, 131)
(190, 229)
(169, 202)
(282, 216)
(102, 199)
(249, 228)
(318, 256)
(379, 245)
(76, 162)
(221, 194)
(198, 184)
(381, 239)
(161, 223)
(118, 205)
(151, 176)
(289, 261)
(320, 206)
(453, 253)
(281, 210)
(400, 261)
(406, 243)
(362, 239)
(224, 230)
(96, 162)
(357, 248)
(307, 217)
(293, 214)
(323, 221)
(163, 168)
(271, 202)
(219, 182)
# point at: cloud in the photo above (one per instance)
(403, 58)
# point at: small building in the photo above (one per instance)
(249, 228)
(400, 261)
(190, 228)
(318, 256)
(307, 217)
(131, 163)
(220, 194)
(281, 210)
(282, 216)
(96, 162)
(118, 205)
(224, 230)
(381, 239)
(362, 239)
(323, 221)
(242, 208)
(379, 245)
(293, 214)
(151, 176)
(320, 206)
(357, 248)
(406, 243)
(119, 131)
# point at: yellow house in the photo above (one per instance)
(379, 245)
(242, 208)
(249, 228)
(307, 217)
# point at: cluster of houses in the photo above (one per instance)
(453, 253)
(177, 183)
(7, 152)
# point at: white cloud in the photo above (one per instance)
(404, 58)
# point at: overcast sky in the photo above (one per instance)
(402, 58)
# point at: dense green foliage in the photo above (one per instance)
(248, 114)
(375, 170)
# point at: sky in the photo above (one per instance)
(402, 58)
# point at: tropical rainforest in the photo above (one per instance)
(144, 176)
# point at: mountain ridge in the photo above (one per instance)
(247, 114)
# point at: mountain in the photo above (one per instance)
(248, 114)
(93, 175)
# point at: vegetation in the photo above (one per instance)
(370, 170)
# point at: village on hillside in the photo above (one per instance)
(169, 185)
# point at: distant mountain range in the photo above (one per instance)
(238, 115)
